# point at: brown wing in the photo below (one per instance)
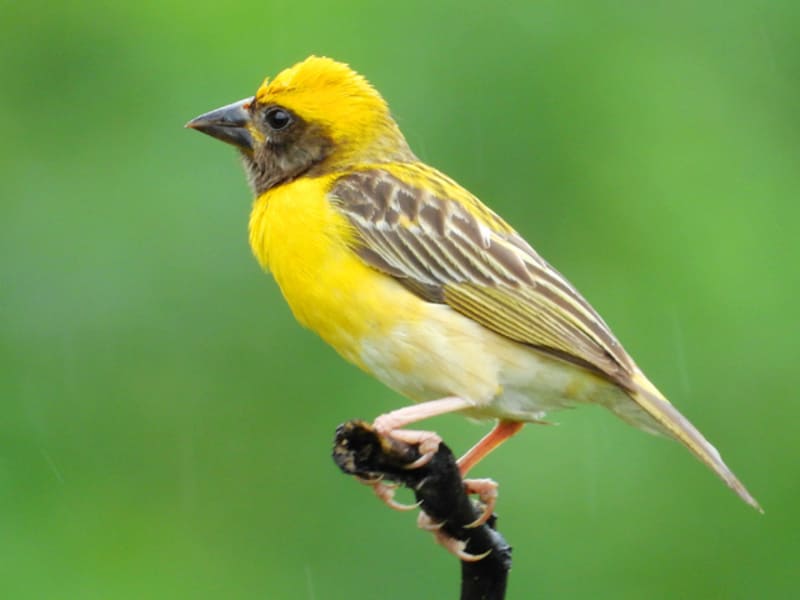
(420, 227)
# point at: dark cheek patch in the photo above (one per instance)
(300, 150)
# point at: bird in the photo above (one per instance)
(412, 278)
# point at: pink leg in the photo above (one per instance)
(390, 424)
(428, 442)
(501, 432)
(486, 488)
(417, 412)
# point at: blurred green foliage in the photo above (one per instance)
(165, 426)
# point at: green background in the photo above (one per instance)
(165, 426)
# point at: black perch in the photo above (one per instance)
(439, 490)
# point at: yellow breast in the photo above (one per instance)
(422, 350)
(303, 241)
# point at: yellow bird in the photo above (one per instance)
(409, 276)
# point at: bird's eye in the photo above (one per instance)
(277, 118)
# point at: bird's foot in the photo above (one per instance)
(454, 546)
(486, 489)
(385, 493)
(427, 442)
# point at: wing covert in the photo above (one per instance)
(420, 227)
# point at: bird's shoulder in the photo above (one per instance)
(413, 194)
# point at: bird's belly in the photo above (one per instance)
(443, 353)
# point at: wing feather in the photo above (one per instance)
(438, 240)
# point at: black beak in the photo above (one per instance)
(228, 124)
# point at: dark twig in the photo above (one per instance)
(438, 487)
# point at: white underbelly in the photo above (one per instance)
(448, 354)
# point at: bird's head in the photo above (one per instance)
(315, 117)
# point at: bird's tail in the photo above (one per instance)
(673, 423)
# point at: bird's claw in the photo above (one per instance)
(427, 442)
(425, 522)
(486, 489)
(487, 492)
(385, 493)
(454, 546)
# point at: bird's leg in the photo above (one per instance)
(501, 432)
(486, 488)
(390, 424)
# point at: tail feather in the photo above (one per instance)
(677, 426)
